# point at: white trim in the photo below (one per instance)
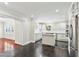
(24, 43)
(27, 43)
(33, 41)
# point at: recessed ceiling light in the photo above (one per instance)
(57, 10)
(5, 3)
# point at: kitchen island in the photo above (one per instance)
(48, 39)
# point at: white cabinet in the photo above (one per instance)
(48, 39)
(37, 36)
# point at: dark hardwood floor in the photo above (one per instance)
(36, 50)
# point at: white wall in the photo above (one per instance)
(18, 32)
(1, 29)
(32, 28)
(59, 27)
(55, 27)
(27, 31)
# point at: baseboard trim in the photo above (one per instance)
(35, 41)
(27, 42)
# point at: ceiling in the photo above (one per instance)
(41, 10)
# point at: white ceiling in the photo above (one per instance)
(37, 9)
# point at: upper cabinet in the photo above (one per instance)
(74, 8)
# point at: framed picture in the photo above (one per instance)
(48, 27)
